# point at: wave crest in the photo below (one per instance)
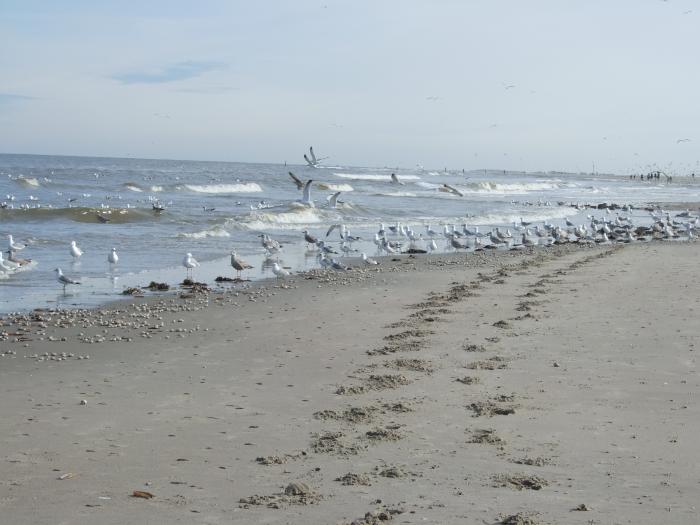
(243, 187)
(372, 176)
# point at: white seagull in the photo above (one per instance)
(74, 250)
(306, 197)
(65, 281)
(112, 257)
(7, 266)
(279, 271)
(368, 261)
(190, 263)
(333, 200)
(14, 246)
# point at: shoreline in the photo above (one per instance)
(445, 390)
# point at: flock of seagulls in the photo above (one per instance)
(400, 238)
(13, 264)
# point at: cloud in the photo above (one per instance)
(209, 90)
(171, 73)
(10, 98)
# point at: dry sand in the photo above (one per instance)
(494, 388)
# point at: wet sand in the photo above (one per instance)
(494, 388)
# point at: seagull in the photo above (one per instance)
(368, 261)
(323, 248)
(333, 200)
(239, 264)
(341, 230)
(306, 197)
(296, 180)
(395, 179)
(65, 281)
(457, 245)
(271, 245)
(310, 239)
(279, 271)
(388, 247)
(113, 258)
(75, 251)
(313, 162)
(338, 266)
(7, 266)
(14, 246)
(190, 263)
(432, 246)
(451, 189)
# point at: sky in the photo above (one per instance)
(507, 84)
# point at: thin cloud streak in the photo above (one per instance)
(172, 73)
(10, 98)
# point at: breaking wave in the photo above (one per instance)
(217, 231)
(370, 176)
(335, 187)
(243, 187)
(497, 187)
(27, 182)
(79, 214)
(289, 219)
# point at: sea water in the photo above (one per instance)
(212, 208)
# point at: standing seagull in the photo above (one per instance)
(62, 279)
(239, 264)
(113, 258)
(279, 271)
(368, 261)
(190, 263)
(75, 251)
(310, 239)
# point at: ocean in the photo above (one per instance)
(212, 208)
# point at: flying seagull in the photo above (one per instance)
(452, 189)
(395, 179)
(306, 197)
(313, 161)
(333, 200)
(296, 180)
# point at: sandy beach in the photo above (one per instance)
(548, 386)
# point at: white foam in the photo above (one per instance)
(132, 187)
(397, 194)
(372, 176)
(214, 232)
(28, 181)
(284, 220)
(243, 187)
(497, 187)
(539, 215)
(428, 185)
(335, 187)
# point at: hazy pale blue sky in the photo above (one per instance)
(513, 84)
